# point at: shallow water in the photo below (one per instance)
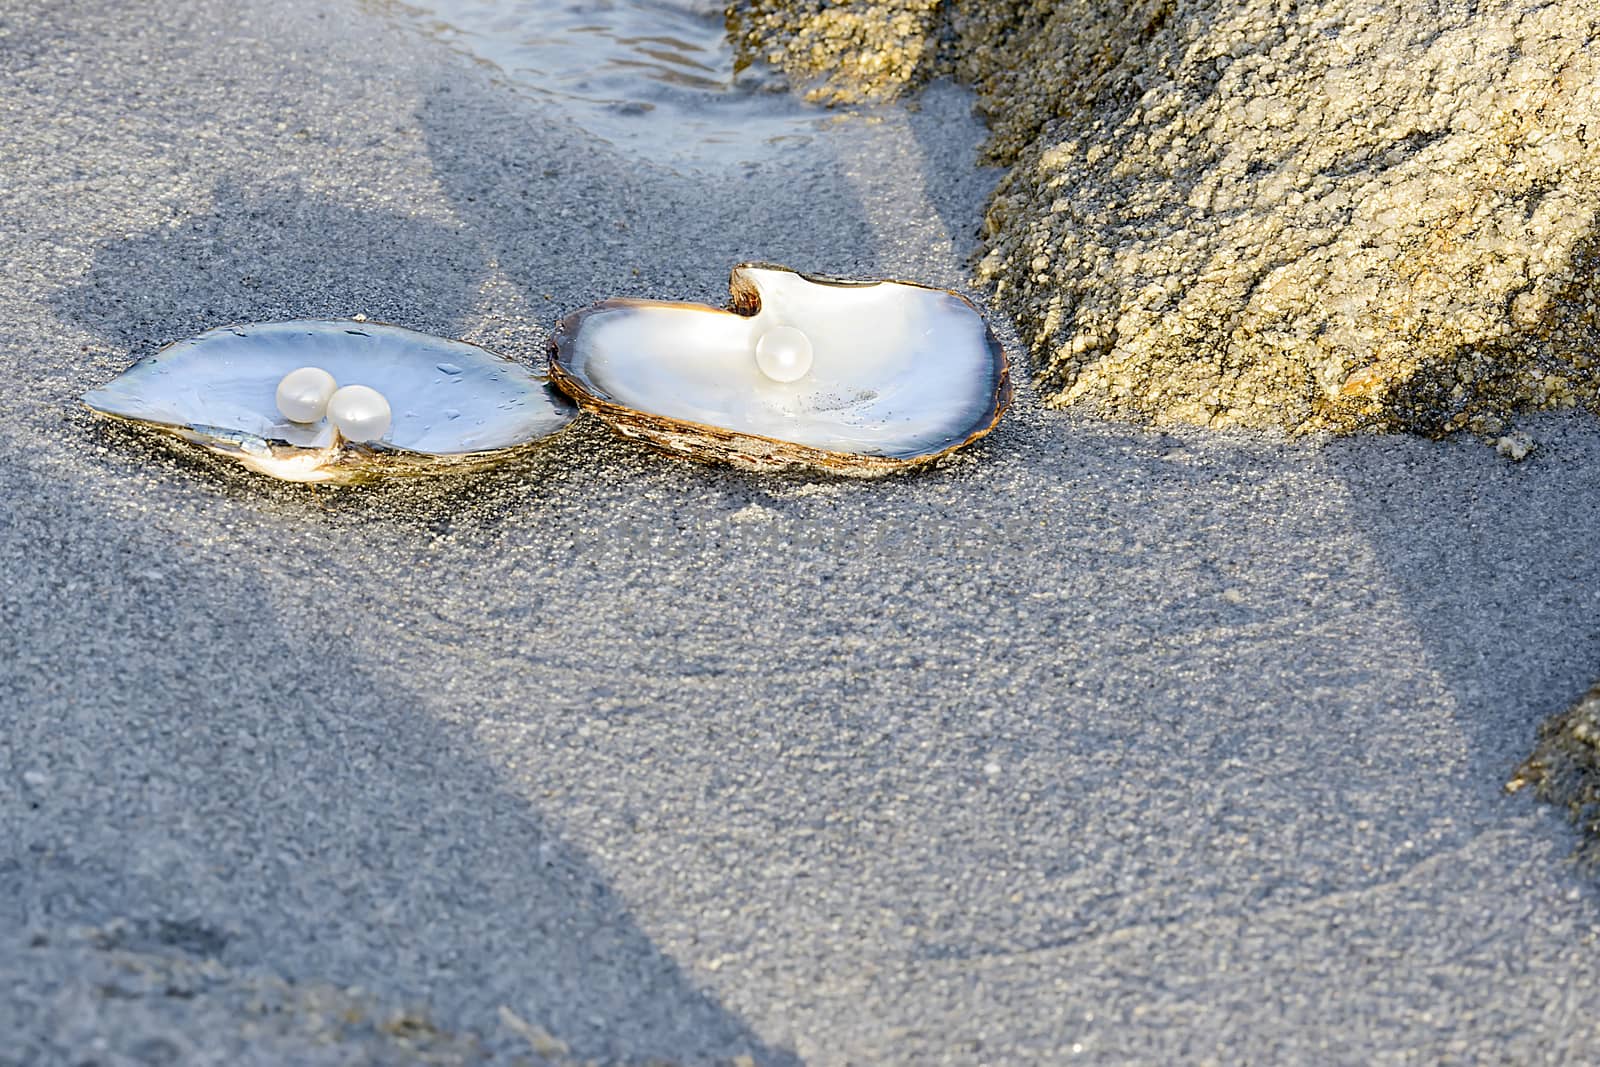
(653, 77)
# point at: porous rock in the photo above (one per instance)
(847, 53)
(1325, 215)
(1564, 768)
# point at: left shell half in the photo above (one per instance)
(454, 406)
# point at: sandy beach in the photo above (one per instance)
(1097, 744)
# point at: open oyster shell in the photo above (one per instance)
(455, 406)
(901, 374)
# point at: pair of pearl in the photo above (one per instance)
(358, 412)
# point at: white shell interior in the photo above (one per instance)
(897, 370)
(447, 397)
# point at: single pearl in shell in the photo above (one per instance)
(784, 354)
(359, 412)
(303, 394)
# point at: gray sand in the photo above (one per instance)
(1139, 746)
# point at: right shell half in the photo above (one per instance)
(885, 375)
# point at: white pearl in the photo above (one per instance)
(360, 413)
(303, 394)
(784, 354)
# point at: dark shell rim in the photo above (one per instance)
(745, 302)
(359, 451)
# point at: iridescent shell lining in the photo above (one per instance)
(455, 405)
(902, 374)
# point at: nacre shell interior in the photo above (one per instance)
(898, 370)
(447, 397)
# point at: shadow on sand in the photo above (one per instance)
(323, 824)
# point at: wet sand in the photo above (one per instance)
(1098, 742)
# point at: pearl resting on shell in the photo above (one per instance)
(784, 354)
(303, 394)
(360, 413)
(453, 405)
(898, 374)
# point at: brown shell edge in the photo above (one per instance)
(698, 441)
(351, 464)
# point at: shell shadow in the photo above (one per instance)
(270, 253)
